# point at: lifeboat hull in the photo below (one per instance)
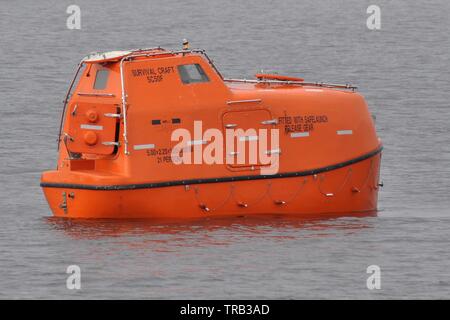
(162, 134)
(349, 189)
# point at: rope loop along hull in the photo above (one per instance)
(342, 190)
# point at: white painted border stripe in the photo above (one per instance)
(344, 132)
(274, 151)
(248, 138)
(314, 90)
(91, 127)
(144, 146)
(196, 142)
(299, 134)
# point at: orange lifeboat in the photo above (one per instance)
(152, 133)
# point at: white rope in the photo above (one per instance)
(327, 194)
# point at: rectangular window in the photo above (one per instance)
(101, 78)
(192, 73)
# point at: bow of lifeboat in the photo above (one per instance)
(317, 152)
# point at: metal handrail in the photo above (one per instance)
(243, 101)
(300, 83)
(173, 52)
(95, 94)
(124, 108)
(66, 99)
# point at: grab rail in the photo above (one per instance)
(66, 99)
(93, 94)
(300, 83)
(173, 52)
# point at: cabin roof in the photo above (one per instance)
(109, 56)
(114, 56)
(262, 79)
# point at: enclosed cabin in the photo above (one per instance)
(139, 96)
(120, 117)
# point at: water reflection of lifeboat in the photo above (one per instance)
(116, 142)
(174, 233)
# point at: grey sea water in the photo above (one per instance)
(402, 69)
